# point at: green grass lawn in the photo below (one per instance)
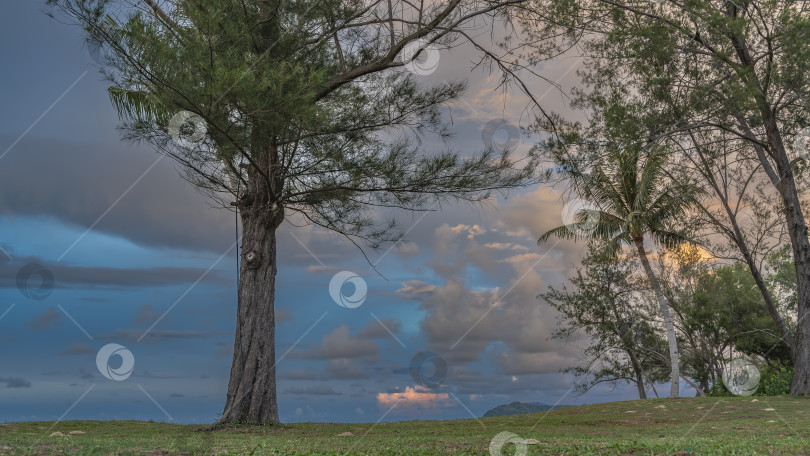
(739, 425)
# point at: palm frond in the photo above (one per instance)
(137, 106)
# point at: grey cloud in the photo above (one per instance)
(156, 336)
(455, 313)
(82, 180)
(225, 348)
(161, 375)
(78, 349)
(84, 375)
(345, 369)
(146, 314)
(283, 315)
(533, 214)
(91, 277)
(513, 363)
(15, 382)
(415, 290)
(340, 344)
(46, 320)
(462, 324)
(315, 390)
(376, 330)
(298, 374)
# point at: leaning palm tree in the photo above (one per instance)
(632, 199)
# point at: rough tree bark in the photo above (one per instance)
(797, 229)
(252, 388)
(662, 303)
(784, 181)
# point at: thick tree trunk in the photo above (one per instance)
(662, 303)
(252, 387)
(797, 230)
(782, 179)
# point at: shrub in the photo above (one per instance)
(772, 382)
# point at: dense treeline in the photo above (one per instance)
(696, 136)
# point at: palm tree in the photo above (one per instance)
(632, 200)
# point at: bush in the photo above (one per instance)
(772, 382)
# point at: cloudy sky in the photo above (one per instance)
(139, 259)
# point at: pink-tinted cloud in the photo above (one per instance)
(416, 398)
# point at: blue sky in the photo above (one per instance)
(131, 246)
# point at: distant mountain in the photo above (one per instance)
(519, 408)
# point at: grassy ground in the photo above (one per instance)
(777, 425)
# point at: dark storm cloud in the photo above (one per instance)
(77, 182)
(88, 277)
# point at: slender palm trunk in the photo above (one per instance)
(662, 303)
